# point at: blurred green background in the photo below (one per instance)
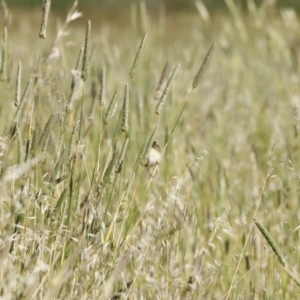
(172, 4)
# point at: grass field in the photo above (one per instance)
(82, 218)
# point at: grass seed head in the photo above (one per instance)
(271, 242)
(45, 14)
(204, 65)
(138, 56)
(163, 98)
(3, 69)
(102, 88)
(125, 125)
(86, 51)
(18, 85)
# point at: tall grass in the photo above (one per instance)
(82, 218)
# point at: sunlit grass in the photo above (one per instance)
(82, 219)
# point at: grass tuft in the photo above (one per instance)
(79, 217)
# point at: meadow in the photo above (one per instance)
(80, 104)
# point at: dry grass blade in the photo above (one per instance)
(46, 131)
(163, 98)
(102, 88)
(62, 275)
(20, 146)
(122, 155)
(128, 187)
(22, 103)
(163, 76)
(75, 75)
(18, 85)
(60, 200)
(125, 125)
(111, 108)
(144, 18)
(34, 142)
(108, 286)
(3, 68)
(294, 277)
(67, 187)
(108, 171)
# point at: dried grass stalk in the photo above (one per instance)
(102, 88)
(277, 251)
(125, 125)
(128, 187)
(106, 177)
(204, 65)
(162, 79)
(292, 275)
(60, 201)
(18, 85)
(111, 108)
(163, 98)
(22, 102)
(45, 14)
(72, 139)
(138, 56)
(75, 78)
(20, 146)
(144, 19)
(33, 143)
(85, 62)
(271, 242)
(108, 287)
(46, 131)
(3, 69)
(121, 157)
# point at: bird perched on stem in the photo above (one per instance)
(153, 156)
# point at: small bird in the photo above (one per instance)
(153, 156)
